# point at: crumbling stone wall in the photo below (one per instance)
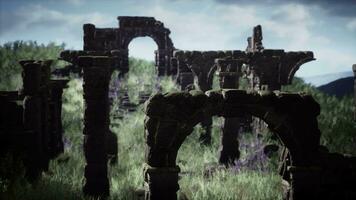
(265, 70)
(199, 65)
(310, 172)
(107, 39)
(269, 69)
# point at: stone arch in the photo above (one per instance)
(306, 57)
(170, 118)
(107, 39)
(201, 65)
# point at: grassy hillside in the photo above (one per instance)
(259, 180)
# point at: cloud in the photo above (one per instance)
(202, 26)
(345, 8)
(192, 30)
(351, 25)
(290, 22)
(37, 16)
(335, 59)
(75, 2)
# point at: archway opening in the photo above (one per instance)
(141, 80)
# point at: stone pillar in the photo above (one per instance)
(161, 182)
(354, 69)
(229, 71)
(162, 62)
(186, 80)
(305, 182)
(170, 118)
(124, 62)
(89, 37)
(32, 118)
(96, 123)
(56, 129)
(45, 115)
(161, 171)
(185, 77)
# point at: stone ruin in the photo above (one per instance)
(30, 119)
(308, 171)
(118, 40)
(265, 69)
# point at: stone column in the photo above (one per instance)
(185, 77)
(229, 72)
(161, 182)
(89, 37)
(305, 183)
(354, 69)
(45, 115)
(96, 123)
(161, 172)
(186, 80)
(56, 129)
(31, 76)
(170, 118)
(161, 62)
(124, 62)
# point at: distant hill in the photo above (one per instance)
(339, 88)
(326, 78)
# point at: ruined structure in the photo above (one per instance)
(30, 119)
(229, 72)
(265, 69)
(170, 118)
(200, 66)
(118, 39)
(106, 50)
(269, 69)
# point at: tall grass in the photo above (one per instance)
(200, 178)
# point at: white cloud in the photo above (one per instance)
(290, 21)
(52, 24)
(191, 30)
(336, 59)
(240, 17)
(37, 16)
(352, 24)
(75, 2)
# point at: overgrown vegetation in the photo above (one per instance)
(335, 119)
(12, 52)
(65, 178)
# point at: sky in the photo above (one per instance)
(326, 27)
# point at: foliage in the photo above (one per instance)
(335, 119)
(12, 52)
